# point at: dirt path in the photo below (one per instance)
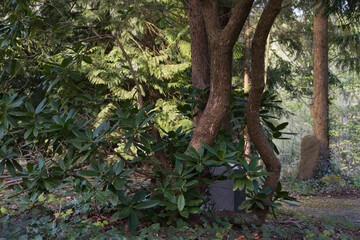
(347, 207)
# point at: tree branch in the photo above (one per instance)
(140, 98)
(237, 20)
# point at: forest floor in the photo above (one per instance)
(341, 204)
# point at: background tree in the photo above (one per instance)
(320, 106)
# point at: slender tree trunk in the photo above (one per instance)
(320, 99)
(247, 141)
(260, 141)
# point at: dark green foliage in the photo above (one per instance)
(99, 162)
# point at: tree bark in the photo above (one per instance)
(260, 141)
(320, 99)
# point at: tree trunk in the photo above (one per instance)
(320, 98)
(260, 141)
(221, 41)
(247, 142)
(200, 72)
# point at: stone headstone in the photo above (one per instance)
(222, 194)
(310, 152)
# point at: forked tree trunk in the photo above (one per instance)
(221, 42)
(320, 98)
(260, 141)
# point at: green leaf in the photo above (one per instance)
(125, 212)
(101, 164)
(29, 107)
(30, 167)
(182, 156)
(196, 202)
(193, 210)
(115, 216)
(128, 144)
(101, 197)
(178, 166)
(61, 164)
(53, 83)
(41, 163)
(199, 168)
(245, 204)
(282, 126)
(133, 221)
(147, 204)
(88, 173)
(2, 166)
(118, 167)
(16, 103)
(230, 154)
(270, 125)
(85, 156)
(40, 107)
(126, 173)
(17, 165)
(259, 205)
(193, 153)
(184, 214)
(210, 149)
(267, 190)
(147, 120)
(181, 202)
(119, 184)
(237, 185)
(276, 150)
(87, 59)
(85, 147)
(277, 134)
(98, 129)
(191, 184)
(139, 117)
(139, 196)
(253, 163)
(114, 199)
(10, 168)
(169, 195)
(2, 131)
(58, 120)
(35, 132)
(28, 132)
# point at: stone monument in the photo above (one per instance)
(310, 152)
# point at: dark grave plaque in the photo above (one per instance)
(222, 194)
